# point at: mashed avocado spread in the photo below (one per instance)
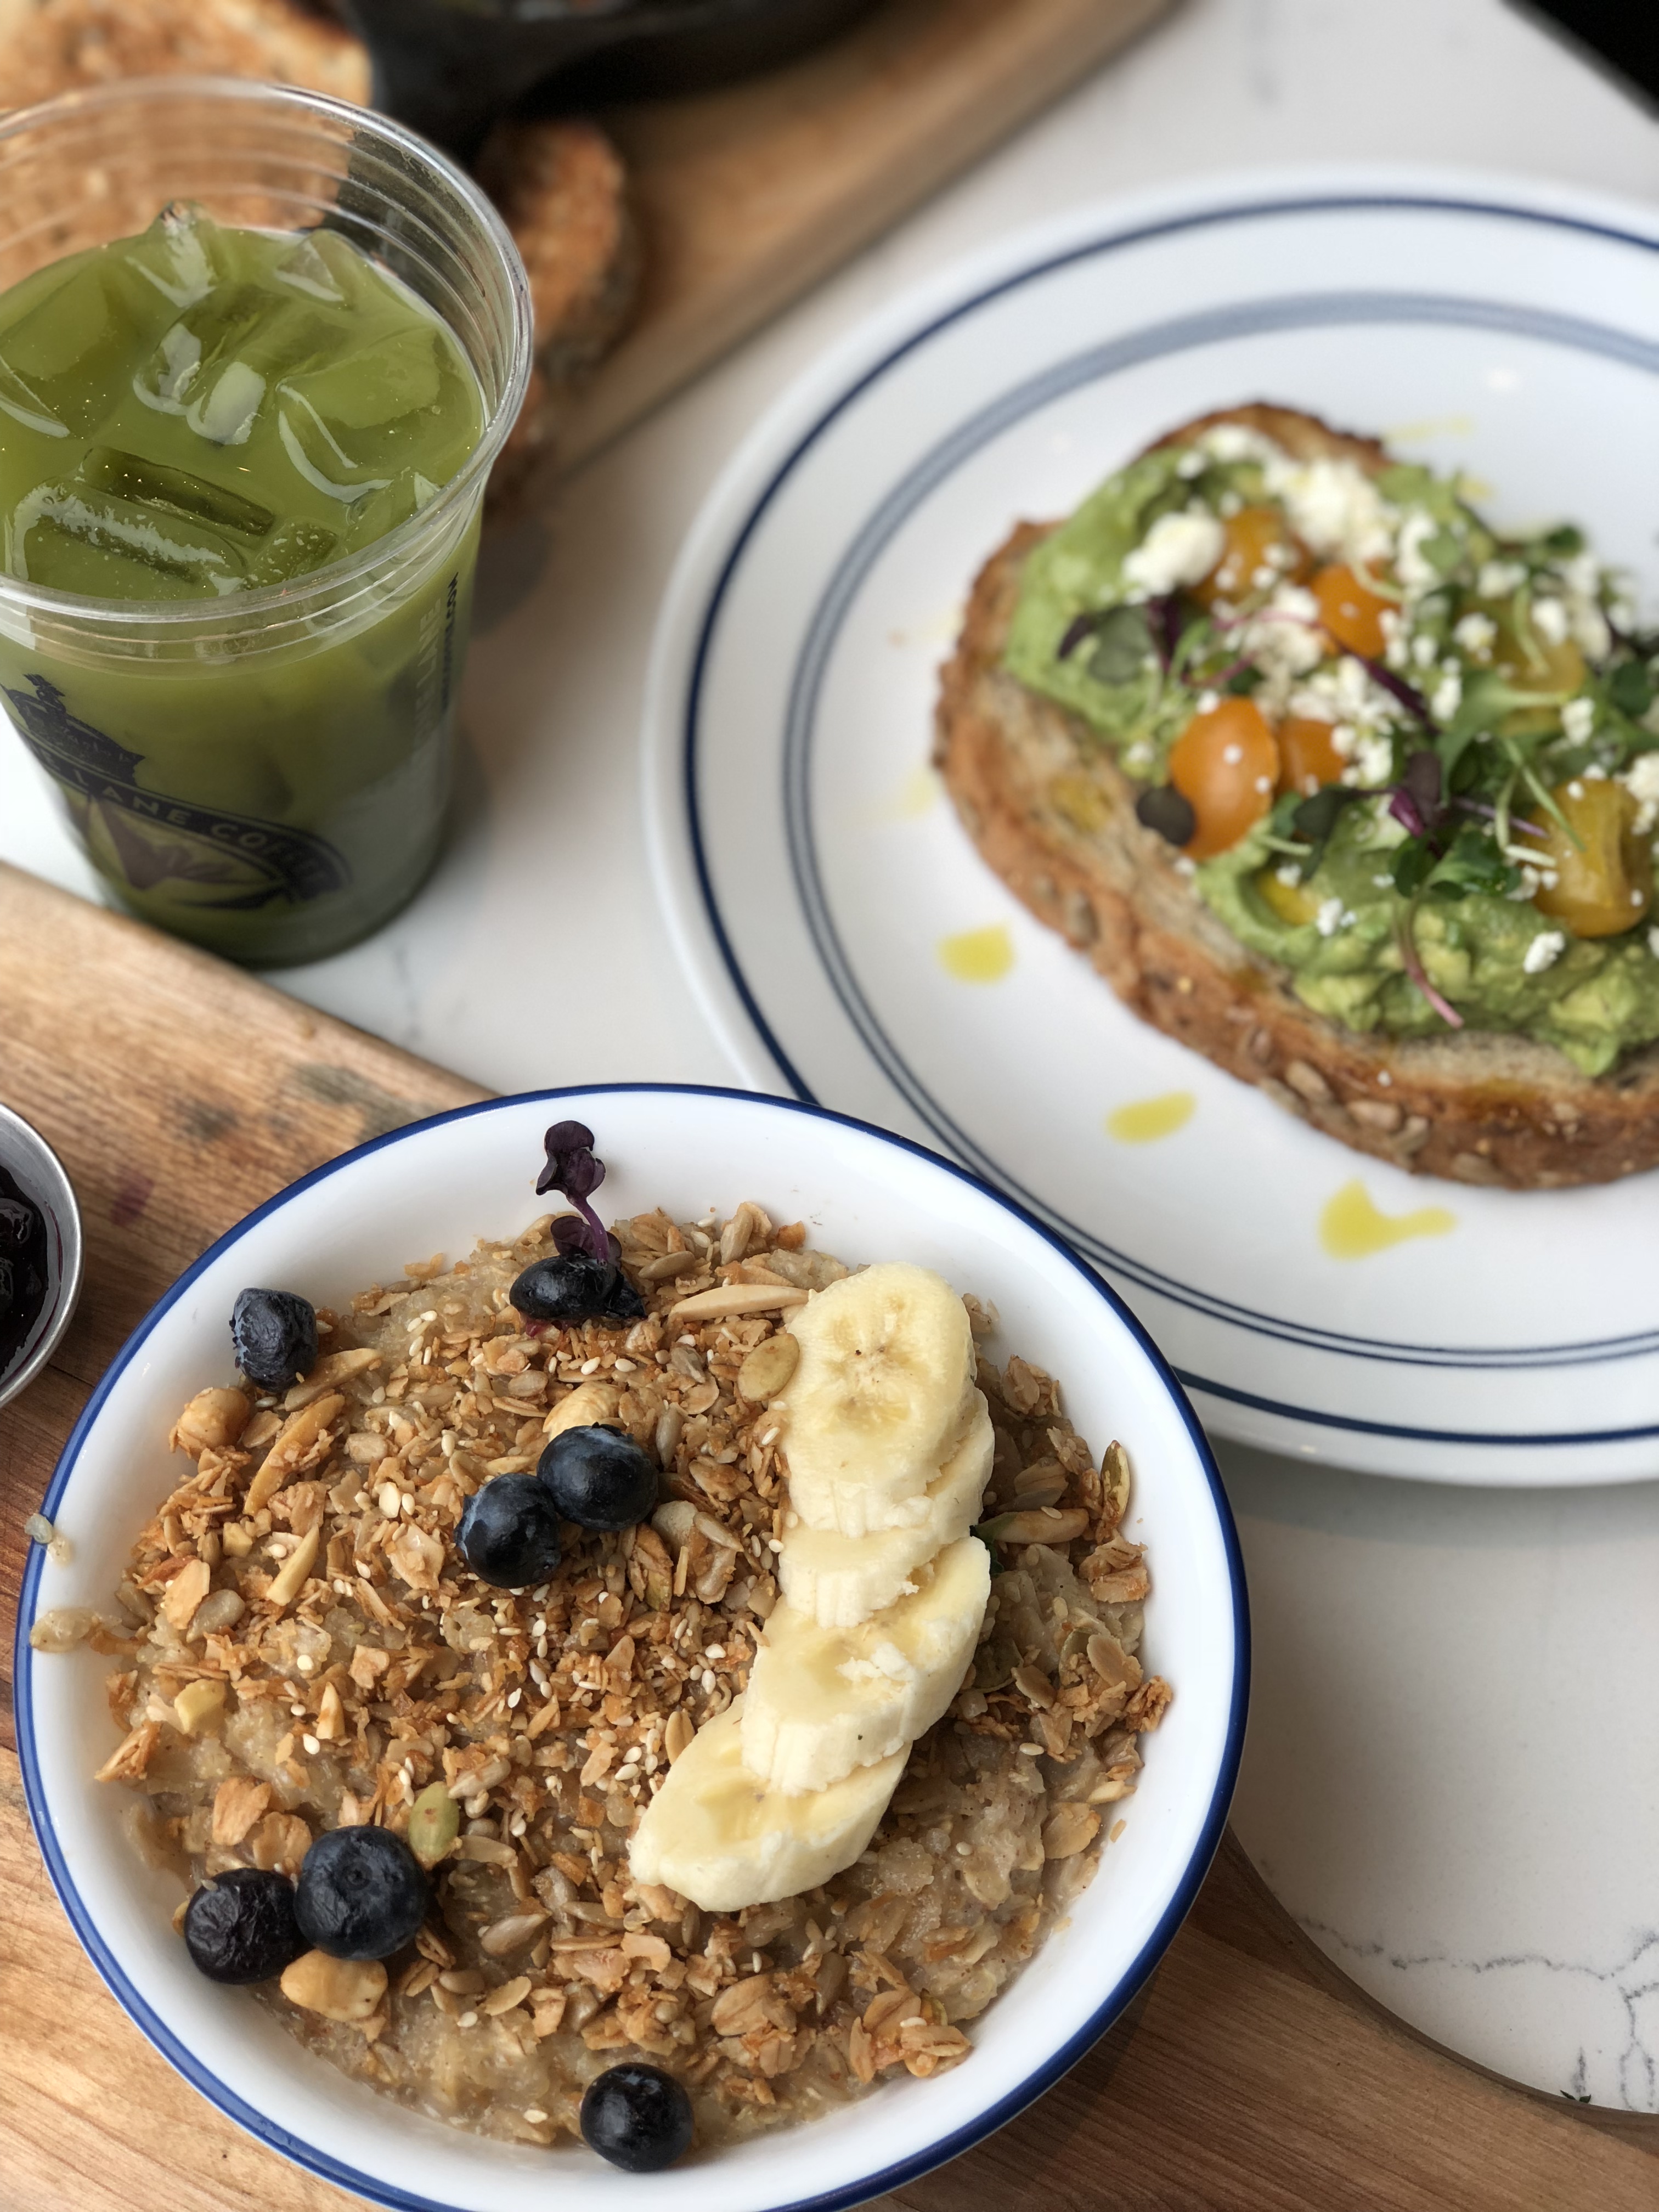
(1414, 762)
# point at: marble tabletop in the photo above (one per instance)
(1452, 1775)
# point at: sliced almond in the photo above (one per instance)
(725, 1301)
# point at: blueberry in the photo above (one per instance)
(509, 1533)
(239, 1926)
(599, 1478)
(637, 2117)
(275, 1334)
(1162, 808)
(574, 1286)
(361, 1893)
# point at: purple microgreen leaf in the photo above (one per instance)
(573, 1169)
(1416, 802)
(1166, 622)
(1490, 813)
(1397, 688)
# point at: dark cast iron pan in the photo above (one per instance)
(449, 68)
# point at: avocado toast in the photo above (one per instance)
(1337, 786)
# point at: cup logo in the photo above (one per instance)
(228, 863)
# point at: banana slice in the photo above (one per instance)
(725, 1840)
(883, 1392)
(823, 1702)
(839, 1581)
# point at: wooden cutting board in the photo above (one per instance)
(747, 197)
(1250, 2077)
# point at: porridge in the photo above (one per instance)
(302, 1648)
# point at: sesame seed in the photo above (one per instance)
(1031, 1751)
(305, 1662)
(312, 1746)
(534, 2114)
(589, 1367)
(298, 1711)
(467, 2019)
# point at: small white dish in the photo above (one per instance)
(440, 1184)
(811, 871)
(38, 1173)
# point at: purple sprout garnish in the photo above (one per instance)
(1415, 802)
(1166, 622)
(1396, 687)
(1490, 813)
(573, 1169)
(1079, 628)
(1413, 966)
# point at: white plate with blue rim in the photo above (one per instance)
(442, 1183)
(848, 945)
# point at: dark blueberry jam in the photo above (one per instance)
(22, 1271)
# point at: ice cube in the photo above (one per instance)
(67, 355)
(225, 410)
(204, 366)
(180, 253)
(325, 268)
(295, 548)
(318, 455)
(176, 491)
(373, 385)
(72, 539)
(375, 517)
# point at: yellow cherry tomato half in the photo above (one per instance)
(1603, 884)
(1350, 611)
(1308, 758)
(1225, 765)
(1262, 549)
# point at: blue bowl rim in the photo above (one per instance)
(1025, 2092)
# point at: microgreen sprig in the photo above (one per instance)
(574, 1170)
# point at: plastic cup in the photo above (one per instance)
(267, 773)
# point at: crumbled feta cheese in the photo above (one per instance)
(1328, 919)
(1474, 636)
(1343, 740)
(1231, 441)
(1178, 548)
(1545, 950)
(1232, 755)
(1578, 719)
(1334, 507)
(1373, 760)
(1653, 943)
(1447, 697)
(1575, 789)
(1497, 579)
(1383, 883)
(1414, 572)
(1284, 639)
(1424, 651)
(1208, 701)
(1191, 464)
(1288, 873)
(1590, 629)
(1549, 619)
(1581, 575)
(1641, 780)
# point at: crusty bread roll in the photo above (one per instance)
(1478, 1106)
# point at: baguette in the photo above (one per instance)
(1475, 1106)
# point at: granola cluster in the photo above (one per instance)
(302, 1648)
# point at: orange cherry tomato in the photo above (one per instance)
(1307, 758)
(1258, 538)
(1604, 884)
(1225, 765)
(1350, 611)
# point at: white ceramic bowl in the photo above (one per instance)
(438, 1185)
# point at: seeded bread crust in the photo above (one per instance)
(1476, 1107)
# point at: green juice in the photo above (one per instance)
(203, 421)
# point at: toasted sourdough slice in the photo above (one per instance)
(560, 184)
(1478, 1106)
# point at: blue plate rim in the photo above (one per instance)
(300, 2154)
